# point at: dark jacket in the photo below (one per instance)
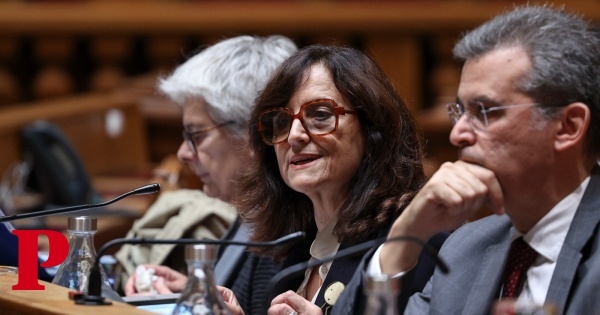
(252, 285)
(353, 299)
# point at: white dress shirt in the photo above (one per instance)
(547, 238)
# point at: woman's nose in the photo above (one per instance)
(297, 133)
(185, 153)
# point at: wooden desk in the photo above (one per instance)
(53, 300)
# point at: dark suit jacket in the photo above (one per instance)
(251, 286)
(476, 255)
(230, 259)
(353, 300)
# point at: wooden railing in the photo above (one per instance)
(63, 48)
(137, 36)
(105, 146)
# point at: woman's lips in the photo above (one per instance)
(303, 161)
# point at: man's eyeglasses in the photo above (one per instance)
(477, 114)
(319, 117)
(194, 139)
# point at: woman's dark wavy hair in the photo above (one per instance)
(388, 177)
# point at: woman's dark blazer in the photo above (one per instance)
(252, 283)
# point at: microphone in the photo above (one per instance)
(94, 295)
(348, 252)
(148, 189)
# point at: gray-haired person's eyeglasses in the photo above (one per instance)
(477, 114)
(194, 139)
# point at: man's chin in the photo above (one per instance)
(470, 159)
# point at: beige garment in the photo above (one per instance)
(324, 245)
(175, 214)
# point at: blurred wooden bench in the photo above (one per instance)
(106, 129)
(93, 45)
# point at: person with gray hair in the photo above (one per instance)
(526, 123)
(221, 83)
(228, 77)
(216, 89)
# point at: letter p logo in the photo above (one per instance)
(28, 256)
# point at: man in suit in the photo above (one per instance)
(527, 126)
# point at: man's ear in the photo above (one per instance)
(573, 126)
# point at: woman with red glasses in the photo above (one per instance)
(337, 155)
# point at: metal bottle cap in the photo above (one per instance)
(203, 252)
(382, 284)
(82, 224)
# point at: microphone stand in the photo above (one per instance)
(94, 295)
(148, 189)
(348, 252)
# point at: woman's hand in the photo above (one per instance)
(290, 303)
(168, 281)
(230, 300)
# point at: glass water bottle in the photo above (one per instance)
(200, 296)
(382, 292)
(74, 272)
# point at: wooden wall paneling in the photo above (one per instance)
(9, 85)
(400, 57)
(108, 53)
(52, 78)
(166, 52)
(392, 31)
